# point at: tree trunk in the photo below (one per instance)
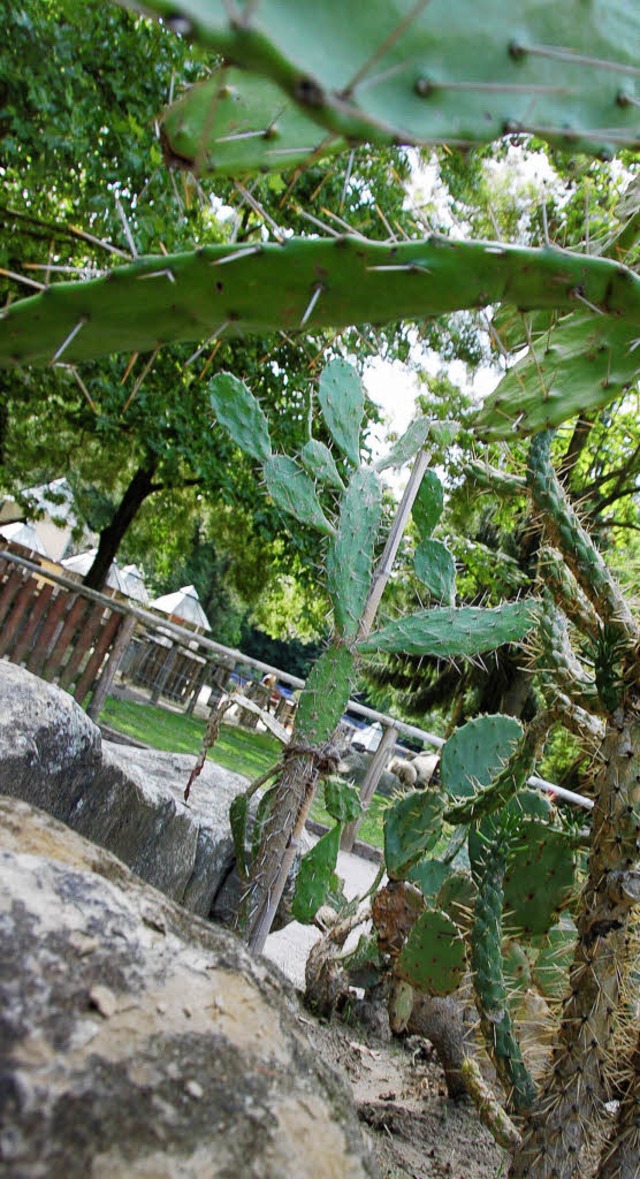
(140, 487)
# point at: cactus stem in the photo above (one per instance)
(311, 304)
(68, 338)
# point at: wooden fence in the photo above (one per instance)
(58, 634)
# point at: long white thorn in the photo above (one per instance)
(311, 304)
(65, 343)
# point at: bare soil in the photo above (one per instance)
(415, 1131)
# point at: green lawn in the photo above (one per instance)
(242, 750)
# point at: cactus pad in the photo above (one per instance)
(457, 897)
(241, 415)
(447, 632)
(341, 800)
(293, 491)
(399, 1005)
(433, 956)
(319, 463)
(556, 951)
(220, 290)
(235, 123)
(435, 567)
(314, 876)
(434, 73)
(407, 445)
(350, 556)
(428, 504)
(412, 826)
(429, 875)
(539, 879)
(586, 362)
(476, 752)
(324, 696)
(341, 399)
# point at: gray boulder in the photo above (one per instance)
(138, 1040)
(128, 800)
(354, 766)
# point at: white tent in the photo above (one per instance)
(134, 584)
(82, 563)
(25, 535)
(184, 604)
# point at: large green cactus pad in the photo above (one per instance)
(236, 122)
(341, 398)
(468, 630)
(311, 282)
(433, 956)
(435, 568)
(437, 72)
(428, 505)
(319, 463)
(412, 826)
(474, 755)
(583, 364)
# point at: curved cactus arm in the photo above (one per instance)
(582, 365)
(312, 283)
(488, 861)
(558, 667)
(430, 73)
(567, 593)
(567, 534)
(489, 478)
(236, 122)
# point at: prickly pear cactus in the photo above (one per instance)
(294, 492)
(314, 876)
(341, 399)
(407, 445)
(350, 557)
(411, 827)
(474, 755)
(465, 630)
(434, 73)
(539, 880)
(235, 123)
(220, 290)
(435, 568)
(325, 695)
(433, 957)
(428, 505)
(319, 463)
(241, 415)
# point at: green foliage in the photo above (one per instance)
(539, 879)
(320, 464)
(407, 446)
(325, 695)
(429, 875)
(428, 504)
(238, 812)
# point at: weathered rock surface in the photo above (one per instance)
(126, 799)
(355, 765)
(136, 1040)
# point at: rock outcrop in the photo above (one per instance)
(126, 799)
(137, 1040)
